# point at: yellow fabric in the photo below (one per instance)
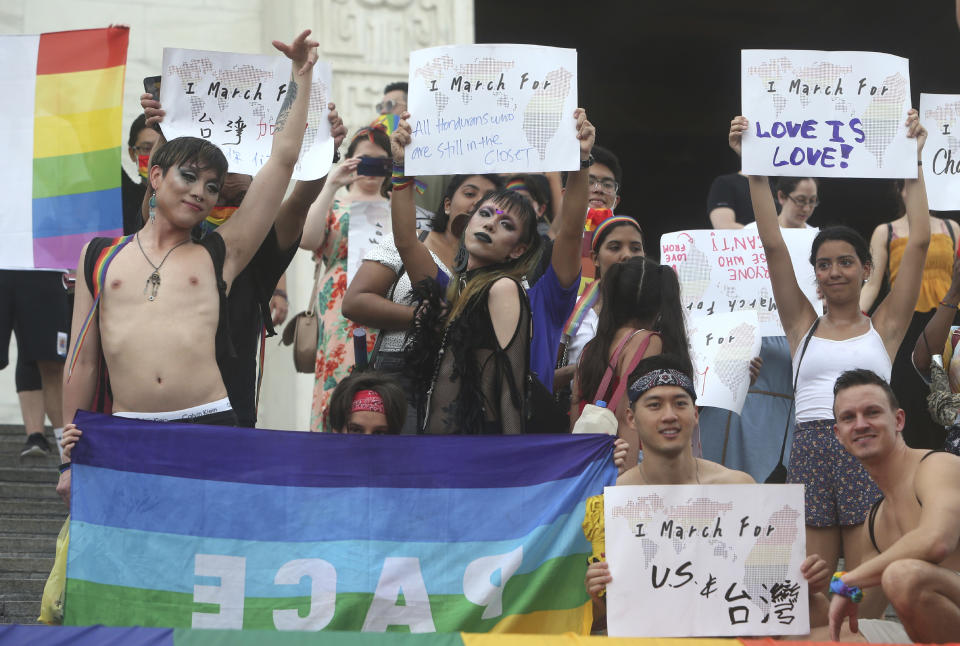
(81, 132)
(593, 527)
(51, 603)
(569, 639)
(936, 272)
(573, 621)
(73, 92)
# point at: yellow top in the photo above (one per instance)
(937, 271)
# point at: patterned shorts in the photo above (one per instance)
(837, 489)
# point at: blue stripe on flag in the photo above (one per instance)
(77, 213)
(333, 460)
(115, 557)
(272, 513)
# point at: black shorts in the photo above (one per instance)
(34, 306)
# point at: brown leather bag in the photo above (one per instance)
(303, 331)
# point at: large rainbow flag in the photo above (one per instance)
(60, 124)
(210, 527)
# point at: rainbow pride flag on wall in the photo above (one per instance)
(60, 124)
(210, 527)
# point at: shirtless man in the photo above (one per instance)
(911, 536)
(663, 411)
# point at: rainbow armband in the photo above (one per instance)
(852, 592)
(401, 182)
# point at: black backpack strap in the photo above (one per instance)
(214, 245)
(796, 377)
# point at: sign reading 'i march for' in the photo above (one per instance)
(940, 113)
(492, 109)
(826, 114)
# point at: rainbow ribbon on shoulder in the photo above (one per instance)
(587, 300)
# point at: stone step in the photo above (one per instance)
(33, 563)
(22, 620)
(12, 458)
(33, 491)
(23, 586)
(18, 525)
(37, 508)
(48, 476)
(29, 544)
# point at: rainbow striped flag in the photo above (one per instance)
(60, 121)
(209, 527)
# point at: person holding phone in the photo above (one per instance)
(363, 176)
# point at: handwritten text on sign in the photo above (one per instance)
(940, 113)
(826, 114)
(717, 560)
(726, 271)
(492, 109)
(722, 347)
(232, 100)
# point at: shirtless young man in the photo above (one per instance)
(160, 308)
(663, 411)
(911, 536)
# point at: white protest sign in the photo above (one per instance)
(492, 109)
(369, 226)
(725, 270)
(940, 114)
(826, 114)
(233, 100)
(721, 347)
(712, 560)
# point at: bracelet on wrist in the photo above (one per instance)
(64, 466)
(282, 294)
(401, 182)
(946, 304)
(852, 592)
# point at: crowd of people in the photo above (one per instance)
(475, 324)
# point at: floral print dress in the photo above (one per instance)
(335, 359)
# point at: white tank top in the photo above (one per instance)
(825, 360)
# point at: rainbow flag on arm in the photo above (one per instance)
(210, 527)
(60, 124)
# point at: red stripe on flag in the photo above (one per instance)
(78, 51)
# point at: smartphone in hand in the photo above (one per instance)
(151, 85)
(375, 166)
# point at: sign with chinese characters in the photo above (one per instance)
(826, 114)
(713, 560)
(232, 100)
(725, 270)
(940, 114)
(722, 347)
(492, 109)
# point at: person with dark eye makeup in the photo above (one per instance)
(156, 303)
(477, 334)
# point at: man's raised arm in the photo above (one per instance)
(245, 231)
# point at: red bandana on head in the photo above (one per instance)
(367, 400)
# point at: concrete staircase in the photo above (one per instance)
(31, 515)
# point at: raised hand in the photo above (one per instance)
(916, 130)
(738, 126)
(586, 133)
(302, 52)
(596, 579)
(401, 138)
(337, 130)
(151, 109)
(344, 173)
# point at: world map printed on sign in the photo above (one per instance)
(233, 100)
(492, 108)
(940, 113)
(721, 347)
(718, 560)
(854, 105)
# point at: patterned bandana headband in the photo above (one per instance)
(368, 400)
(609, 223)
(662, 377)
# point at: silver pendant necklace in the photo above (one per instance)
(153, 281)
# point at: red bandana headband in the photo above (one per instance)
(367, 400)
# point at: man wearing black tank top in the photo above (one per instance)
(911, 535)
